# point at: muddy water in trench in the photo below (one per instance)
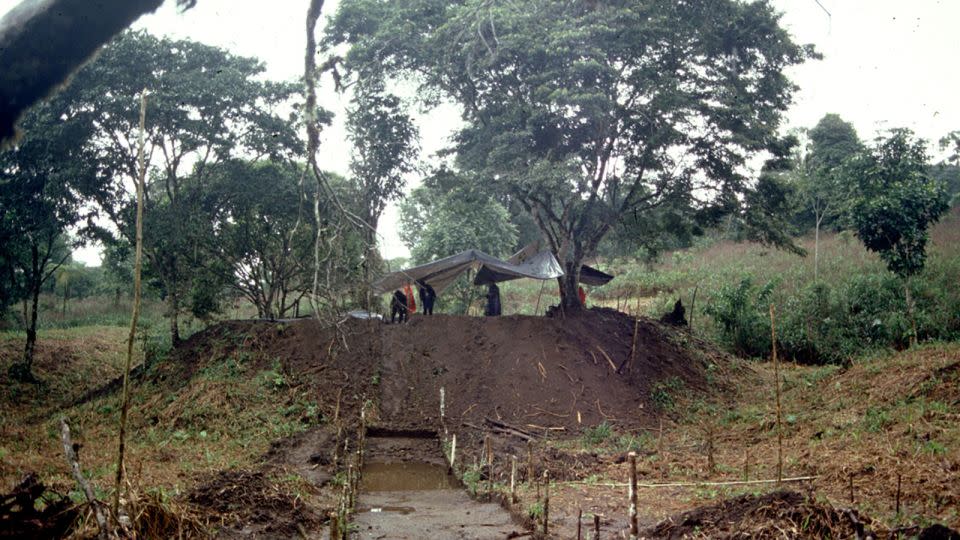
(406, 494)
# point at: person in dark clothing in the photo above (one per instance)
(493, 301)
(398, 306)
(427, 297)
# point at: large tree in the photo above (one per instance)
(205, 106)
(385, 147)
(44, 183)
(263, 229)
(587, 111)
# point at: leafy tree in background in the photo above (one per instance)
(44, 182)
(385, 148)
(588, 111)
(205, 106)
(451, 213)
(823, 183)
(949, 170)
(895, 204)
(262, 239)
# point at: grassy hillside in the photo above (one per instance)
(856, 305)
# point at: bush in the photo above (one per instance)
(741, 311)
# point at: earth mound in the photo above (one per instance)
(535, 374)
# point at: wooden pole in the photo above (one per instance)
(137, 266)
(334, 526)
(634, 530)
(488, 449)
(776, 374)
(513, 479)
(899, 478)
(596, 527)
(546, 503)
(693, 304)
(530, 477)
(536, 310)
(579, 522)
(453, 451)
(851, 488)
(636, 330)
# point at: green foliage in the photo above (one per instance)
(664, 393)
(598, 434)
(742, 312)
(876, 419)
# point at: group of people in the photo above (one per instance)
(402, 302)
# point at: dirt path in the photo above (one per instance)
(406, 493)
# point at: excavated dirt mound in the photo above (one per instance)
(534, 373)
(781, 514)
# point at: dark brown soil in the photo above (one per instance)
(531, 372)
(781, 514)
(249, 503)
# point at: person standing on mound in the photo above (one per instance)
(427, 297)
(493, 301)
(398, 307)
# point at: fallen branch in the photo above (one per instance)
(73, 460)
(609, 361)
(507, 428)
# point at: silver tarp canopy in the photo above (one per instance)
(440, 274)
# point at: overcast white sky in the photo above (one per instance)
(887, 63)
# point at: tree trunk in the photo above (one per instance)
(816, 248)
(174, 316)
(910, 312)
(570, 285)
(63, 308)
(35, 283)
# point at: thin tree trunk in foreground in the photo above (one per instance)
(138, 262)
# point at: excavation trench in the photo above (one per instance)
(406, 492)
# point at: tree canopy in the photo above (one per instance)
(585, 111)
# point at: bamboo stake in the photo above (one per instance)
(489, 457)
(530, 478)
(776, 373)
(513, 479)
(693, 304)
(135, 317)
(546, 503)
(536, 310)
(634, 530)
(899, 478)
(633, 344)
(334, 526)
(453, 451)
